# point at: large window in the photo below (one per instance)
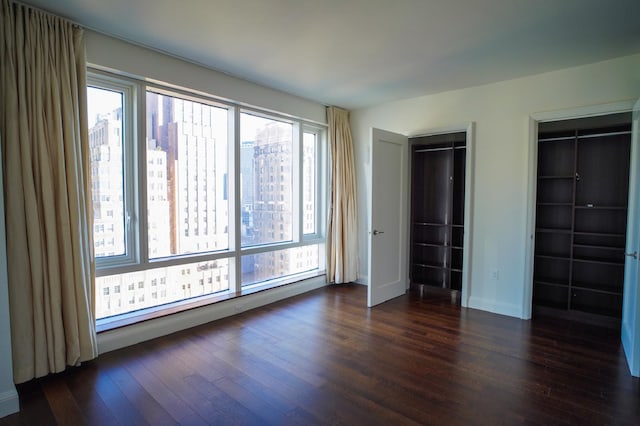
(187, 207)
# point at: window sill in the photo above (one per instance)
(124, 320)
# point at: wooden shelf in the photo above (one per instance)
(599, 247)
(599, 261)
(550, 282)
(598, 288)
(595, 207)
(597, 234)
(431, 245)
(430, 266)
(557, 177)
(554, 257)
(554, 230)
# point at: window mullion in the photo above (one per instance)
(141, 182)
(297, 184)
(235, 272)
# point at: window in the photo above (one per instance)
(107, 168)
(309, 185)
(266, 142)
(188, 210)
(186, 141)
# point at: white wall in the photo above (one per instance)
(501, 112)
(113, 54)
(8, 396)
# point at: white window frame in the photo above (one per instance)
(322, 178)
(129, 137)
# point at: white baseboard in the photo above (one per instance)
(362, 280)
(147, 330)
(9, 402)
(491, 305)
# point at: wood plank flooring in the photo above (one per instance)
(324, 358)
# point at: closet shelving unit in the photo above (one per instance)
(437, 210)
(581, 215)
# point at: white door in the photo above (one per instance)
(631, 297)
(388, 219)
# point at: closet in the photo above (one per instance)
(437, 210)
(581, 218)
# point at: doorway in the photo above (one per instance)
(440, 219)
(581, 211)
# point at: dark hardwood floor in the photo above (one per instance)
(324, 358)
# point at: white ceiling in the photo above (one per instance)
(355, 53)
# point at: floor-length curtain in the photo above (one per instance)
(45, 156)
(342, 236)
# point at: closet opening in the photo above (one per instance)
(581, 218)
(438, 166)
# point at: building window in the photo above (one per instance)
(195, 190)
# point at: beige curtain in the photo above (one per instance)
(342, 237)
(44, 149)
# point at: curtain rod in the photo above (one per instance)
(48, 12)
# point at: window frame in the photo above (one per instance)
(135, 166)
(322, 178)
(128, 89)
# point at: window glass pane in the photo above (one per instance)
(309, 147)
(257, 268)
(187, 157)
(266, 179)
(123, 293)
(105, 108)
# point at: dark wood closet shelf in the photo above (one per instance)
(596, 207)
(421, 244)
(552, 256)
(554, 230)
(600, 261)
(551, 282)
(599, 247)
(427, 265)
(598, 288)
(597, 234)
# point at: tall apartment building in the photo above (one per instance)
(105, 150)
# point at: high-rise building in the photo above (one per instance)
(105, 150)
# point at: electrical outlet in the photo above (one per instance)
(495, 274)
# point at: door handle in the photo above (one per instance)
(376, 232)
(634, 254)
